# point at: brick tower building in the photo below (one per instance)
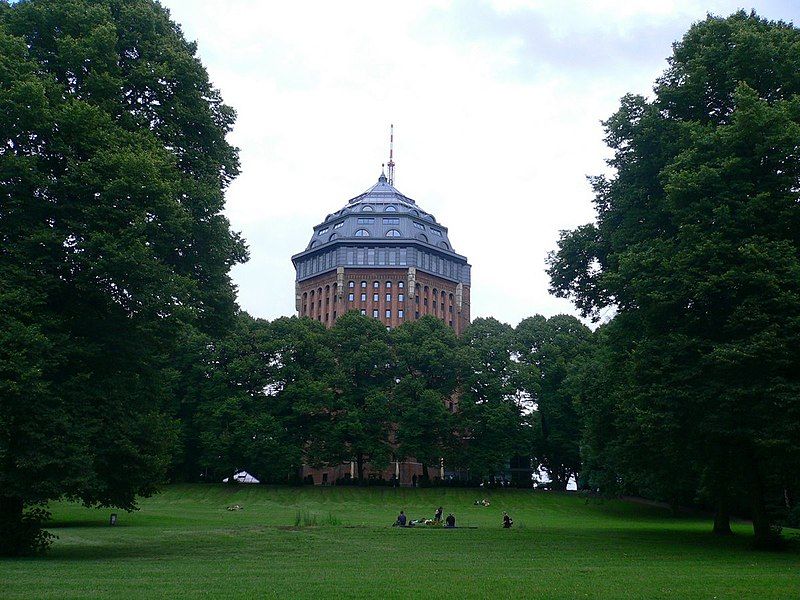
(387, 258)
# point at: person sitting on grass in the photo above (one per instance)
(507, 521)
(450, 521)
(437, 517)
(401, 520)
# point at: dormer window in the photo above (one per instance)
(339, 224)
(323, 230)
(390, 208)
(367, 208)
(436, 231)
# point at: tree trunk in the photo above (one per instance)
(12, 536)
(722, 517)
(360, 466)
(764, 537)
(558, 481)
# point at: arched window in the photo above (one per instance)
(393, 233)
(363, 284)
(441, 245)
(366, 208)
(376, 284)
(415, 212)
(362, 233)
(313, 244)
(333, 237)
(401, 284)
(390, 208)
(351, 284)
(388, 284)
(423, 237)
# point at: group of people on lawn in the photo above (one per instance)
(449, 522)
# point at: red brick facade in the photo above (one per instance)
(392, 295)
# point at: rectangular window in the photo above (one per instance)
(366, 220)
(350, 297)
(391, 221)
(339, 224)
(419, 226)
(451, 308)
(374, 297)
(321, 231)
(388, 297)
(401, 297)
(416, 314)
(363, 312)
(388, 314)
(436, 231)
(400, 313)
(375, 313)
(363, 297)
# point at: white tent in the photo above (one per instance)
(242, 477)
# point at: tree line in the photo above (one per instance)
(270, 397)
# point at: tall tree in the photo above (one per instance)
(697, 246)
(490, 415)
(113, 168)
(423, 400)
(554, 347)
(359, 418)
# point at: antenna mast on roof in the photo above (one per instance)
(391, 155)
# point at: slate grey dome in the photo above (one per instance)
(379, 218)
(384, 256)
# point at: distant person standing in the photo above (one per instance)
(507, 521)
(437, 517)
(450, 521)
(414, 480)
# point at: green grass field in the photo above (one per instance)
(185, 544)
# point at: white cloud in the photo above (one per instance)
(497, 111)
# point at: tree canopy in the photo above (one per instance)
(113, 165)
(696, 247)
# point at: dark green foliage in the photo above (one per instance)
(697, 246)
(491, 404)
(552, 349)
(424, 397)
(359, 417)
(113, 167)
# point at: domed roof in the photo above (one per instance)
(381, 212)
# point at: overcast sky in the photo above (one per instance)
(496, 105)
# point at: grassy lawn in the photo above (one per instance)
(185, 544)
